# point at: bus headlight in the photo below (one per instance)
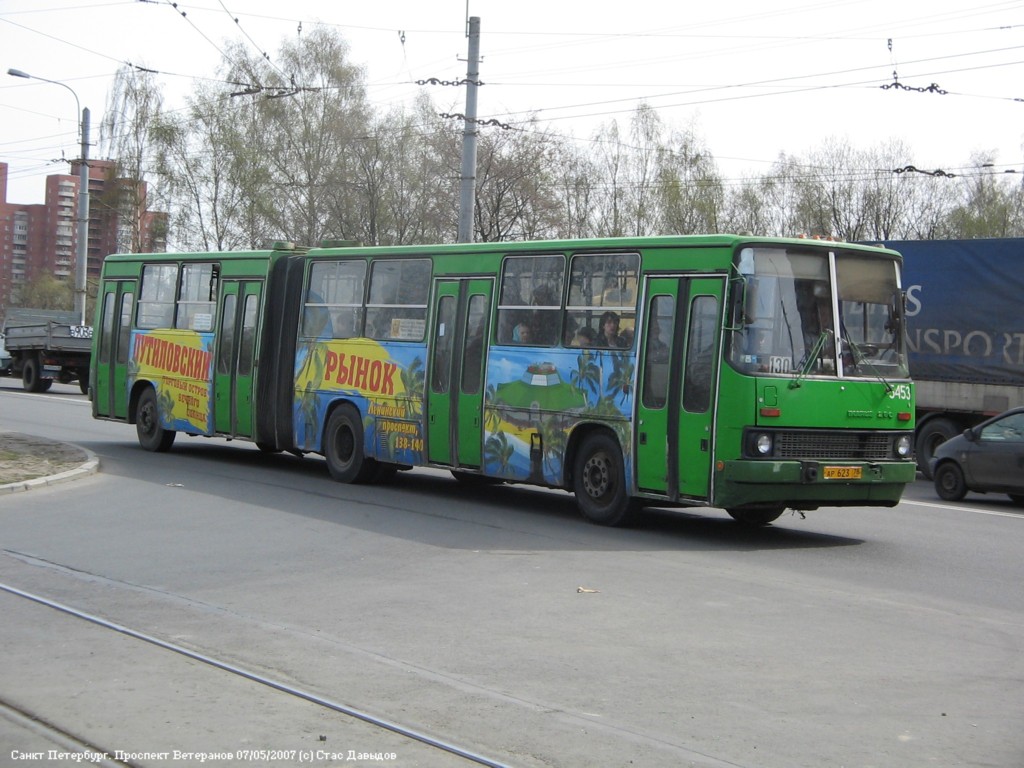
(904, 446)
(763, 444)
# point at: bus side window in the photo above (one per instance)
(397, 305)
(226, 342)
(601, 308)
(156, 298)
(125, 329)
(698, 371)
(476, 325)
(656, 351)
(334, 300)
(197, 296)
(530, 307)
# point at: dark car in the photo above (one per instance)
(986, 458)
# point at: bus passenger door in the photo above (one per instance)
(110, 368)
(456, 378)
(235, 357)
(675, 413)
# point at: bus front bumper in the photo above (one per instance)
(810, 484)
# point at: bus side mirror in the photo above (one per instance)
(738, 301)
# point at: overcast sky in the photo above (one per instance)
(751, 78)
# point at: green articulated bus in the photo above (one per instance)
(750, 374)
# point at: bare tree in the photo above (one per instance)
(515, 189)
(135, 102)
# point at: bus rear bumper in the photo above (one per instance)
(809, 484)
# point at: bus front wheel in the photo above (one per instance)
(152, 435)
(599, 481)
(343, 447)
(755, 518)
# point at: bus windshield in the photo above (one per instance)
(819, 314)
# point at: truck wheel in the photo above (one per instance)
(343, 447)
(31, 376)
(599, 481)
(152, 435)
(83, 381)
(933, 434)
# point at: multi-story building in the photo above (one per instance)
(38, 239)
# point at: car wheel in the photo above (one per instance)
(949, 482)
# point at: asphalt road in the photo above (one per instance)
(495, 621)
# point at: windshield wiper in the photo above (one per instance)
(812, 357)
(860, 359)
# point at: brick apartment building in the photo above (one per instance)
(36, 239)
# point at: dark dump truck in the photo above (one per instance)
(965, 322)
(47, 346)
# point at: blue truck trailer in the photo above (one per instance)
(965, 323)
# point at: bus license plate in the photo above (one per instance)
(842, 473)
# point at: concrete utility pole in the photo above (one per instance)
(467, 189)
(82, 257)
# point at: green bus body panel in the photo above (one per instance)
(844, 403)
(829, 405)
(674, 443)
(234, 358)
(109, 371)
(454, 415)
(227, 402)
(522, 424)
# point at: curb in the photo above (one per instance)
(88, 467)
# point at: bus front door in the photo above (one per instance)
(110, 368)
(235, 357)
(675, 415)
(456, 377)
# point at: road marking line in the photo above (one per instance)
(963, 509)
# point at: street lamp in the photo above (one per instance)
(82, 257)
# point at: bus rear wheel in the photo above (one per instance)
(599, 482)
(755, 518)
(152, 435)
(343, 447)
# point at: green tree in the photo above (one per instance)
(46, 291)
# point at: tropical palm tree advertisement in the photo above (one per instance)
(180, 365)
(533, 404)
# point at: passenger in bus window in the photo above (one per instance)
(610, 331)
(584, 337)
(521, 334)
